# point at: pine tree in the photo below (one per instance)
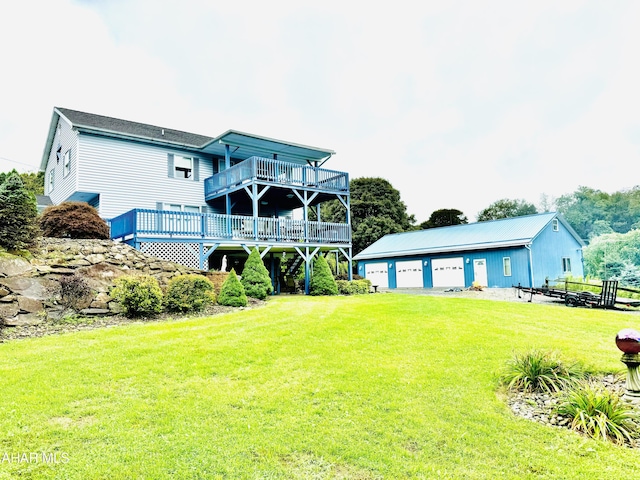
(18, 214)
(255, 277)
(232, 292)
(322, 281)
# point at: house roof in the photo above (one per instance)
(106, 125)
(242, 144)
(510, 232)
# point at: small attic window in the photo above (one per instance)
(554, 225)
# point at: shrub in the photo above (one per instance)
(538, 371)
(322, 281)
(232, 292)
(599, 413)
(75, 292)
(138, 295)
(354, 287)
(18, 214)
(255, 277)
(73, 220)
(189, 293)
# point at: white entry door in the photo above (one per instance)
(480, 272)
(409, 274)
(448, 272)
(378, 273)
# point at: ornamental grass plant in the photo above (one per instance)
(540, 371)
(599, 413)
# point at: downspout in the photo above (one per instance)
(528, 247)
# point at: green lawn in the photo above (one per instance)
(378, 386)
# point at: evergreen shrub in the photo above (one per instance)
(354, 287)
(232, 293)
(255, 277)
(18, 215)
(189, 293)
(138, 296)
(322, 281)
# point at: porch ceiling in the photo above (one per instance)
(246, 145)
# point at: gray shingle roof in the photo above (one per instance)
(90, 121)
(473, 236)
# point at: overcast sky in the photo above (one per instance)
(456, 103)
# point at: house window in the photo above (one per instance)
(182, 223)
(67, 163)
(566, 265)
(506, 266)
(52, 178)
(554, 224)
(183, 167)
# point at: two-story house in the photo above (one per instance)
(200, 201)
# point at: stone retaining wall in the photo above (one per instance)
(30, 290)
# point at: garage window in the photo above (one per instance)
(506, 266)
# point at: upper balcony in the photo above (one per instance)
(275, 172)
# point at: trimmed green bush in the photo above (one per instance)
(599, 413)
(232, 292)
(322, 281)
(138, 296)
(255, 277)
(18, 214)
(538, 371)
(189, 293)
(353, 287)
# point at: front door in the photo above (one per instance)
(480, 272)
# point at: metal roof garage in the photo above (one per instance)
(522, 250)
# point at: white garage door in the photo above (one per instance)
(378, 274)
(409, 274)
(448, 272)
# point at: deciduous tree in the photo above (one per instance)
(506, 208)
(444, 218)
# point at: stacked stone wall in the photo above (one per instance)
(30, 289)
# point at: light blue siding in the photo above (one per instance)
(548, 249)
(132, 175)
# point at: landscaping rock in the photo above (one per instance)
(39, 288)
(22, 320)
(9, 310)
(11, 266)
(30, 305)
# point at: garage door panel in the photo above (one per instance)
(409, 274)
(378, 274)
(448, 272)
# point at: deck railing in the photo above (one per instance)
(278, 172)
(167, 223)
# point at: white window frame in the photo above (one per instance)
(566, 265)
(182, 222)
(554, 225)
(506, 266)
(52, 179)
(66, 164)
(183, 167)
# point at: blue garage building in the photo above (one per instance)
(502, 253)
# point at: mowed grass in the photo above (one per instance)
(379, 386)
